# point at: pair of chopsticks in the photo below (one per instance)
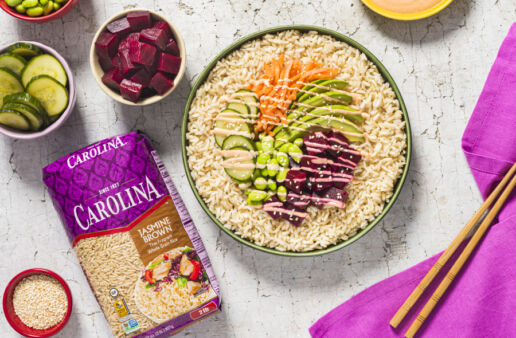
(459, 263)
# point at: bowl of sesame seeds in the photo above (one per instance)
(37, 303)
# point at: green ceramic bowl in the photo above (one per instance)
(204, 75)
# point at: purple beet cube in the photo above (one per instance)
(105, 64)
(106, 45)
(142, 53)
(113, 78)
(125, 43)
(115, 61)
(139, 20)
(161, 83)
(127, 66)
(172, 47)
(155, 36)
(163, 25)
(142, 77)
(169, 63)
(130, 90)
(120, 27)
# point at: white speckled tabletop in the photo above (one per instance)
(440, 65)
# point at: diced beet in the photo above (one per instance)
(163, 25)
(295, 180)
(346, 161)
(172, 47)
(127, 67)
(105, 64)
(169, 63)
(139, 20)
(155, 36)
(112, 79)
(271, 205)
(300, 201)
(293, 215)
(106, 45)
(126, 43)
(320, 181)
(120, 27)
(341, 174)
(334, 197)
(142, 77)
(130, 90)
(313, 164)
(161, 83)
(148, 92)
(115, 61)
(316, 143)
(142, 53)
(317, 200)
(338, 144)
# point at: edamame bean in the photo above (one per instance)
(61, 1)
(272, 167)
(256, 174)
(20, 8)
(262, 160)
(265, 172)
(56, 6)
(13, 3)
(49, 7)
(271, 184)
(282, 174)
(260, 183)
(43, 2)
(295, 152)
(256, 196)
(267, 144)
(35, 11)
(299, 142)
(284, 148)
(30, 3)
(258, 146)
(282, 193)
(282, 159)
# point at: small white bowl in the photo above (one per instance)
(98, 72)
(29, 135)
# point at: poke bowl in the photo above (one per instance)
(15, 320)
(62, 8)
(138, 57)
(296, 140)
(38, 93)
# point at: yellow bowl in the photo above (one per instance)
(407, 16)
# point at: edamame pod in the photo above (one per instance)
(282, 174)
(295, 152)
(282, 159)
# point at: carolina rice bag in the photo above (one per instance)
(135, 240)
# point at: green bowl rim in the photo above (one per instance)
(237, 44)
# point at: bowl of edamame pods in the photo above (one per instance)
(38, 10)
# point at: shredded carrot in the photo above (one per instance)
(278, 87)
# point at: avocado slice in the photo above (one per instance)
(328, 110)
(308, 87)
(345, 126)
(336, 84)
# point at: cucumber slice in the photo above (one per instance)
(241, 175)
(27, 99)
(51, 94)
(35, 119)
(13, 119)
(238, 141)
(44, 65)
(9, 82)
(241, 108)
(24, 49)
(238, 125)
(252, 103)
(12, 61)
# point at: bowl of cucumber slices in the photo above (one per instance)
(37, 90)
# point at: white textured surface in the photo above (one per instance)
(440, 65)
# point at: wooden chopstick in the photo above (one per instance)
(429, 277)
(455, 269)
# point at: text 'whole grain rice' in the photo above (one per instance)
(136, 242)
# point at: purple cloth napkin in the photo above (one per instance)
(482, 300)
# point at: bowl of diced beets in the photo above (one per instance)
(138, 57)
